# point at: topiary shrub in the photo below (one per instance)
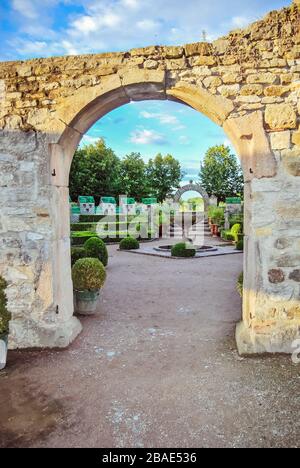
(96, 248)
(129, 243)
(5, 316)
(77, 253)
(240, 245)
(88, 274)
(183, 250)
(240, 284)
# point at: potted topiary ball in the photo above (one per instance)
(88, 275)
(129, 243)
(183, 250)
(5, 317)
(96, 248)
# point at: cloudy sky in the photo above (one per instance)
(39, 28)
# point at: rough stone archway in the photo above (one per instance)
(194, 188)
(248, 82)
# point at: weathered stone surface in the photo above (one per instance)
(296, 138)
(280, 116)
(198, 48)
(291, 162)
(276, 90)
(276, 276)
(281, 140)
(252, 90)
(295, 275)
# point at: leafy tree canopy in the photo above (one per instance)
(164, 174)
(221, 174)
(97, 171)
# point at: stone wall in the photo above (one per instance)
(248, 82)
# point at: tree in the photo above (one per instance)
(221, 174)
(133, 178)
(95, 171)
(164, 174)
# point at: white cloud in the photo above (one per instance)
(25, 8)
(147, 25)
(85, 25)
(113, 25)
(88, 140)
(240, 21)
(184, 140)
(131, 3)
(147, 137)
(163, 118)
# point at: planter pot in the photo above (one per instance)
(3, 351)
(215, 230)
(86, 302)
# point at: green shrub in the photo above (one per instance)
(5, 316)
(96, 248)
(83, 227)
(240, 245)
(90, 218)
(183, 250)
(240, 284)
(216, 213)
(88, 274)
(129, 243)
(230, 237)
(226, 235)
(77, 253)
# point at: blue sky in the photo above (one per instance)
(150, 127)
(36, 28)
(40, 28)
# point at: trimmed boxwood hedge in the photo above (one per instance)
(79, 238)
(182, 250)
(130, 243)
(108, 218)
(96, 248)
(77, 253)
(80, 227)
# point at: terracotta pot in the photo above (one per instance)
(215, 230)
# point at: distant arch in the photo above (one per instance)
(191, 187)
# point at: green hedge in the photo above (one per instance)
(79, 238)
(181, 250)
(77, 253)
(130, 243)
(96, 248)
(240, 245)
(83, 227)
(109, 218)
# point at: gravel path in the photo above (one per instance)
(156, 367)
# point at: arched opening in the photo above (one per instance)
(62, 154)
